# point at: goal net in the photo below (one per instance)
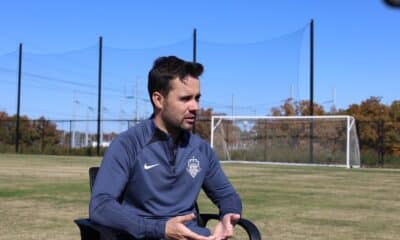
(316, 140)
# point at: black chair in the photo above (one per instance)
(93, 231)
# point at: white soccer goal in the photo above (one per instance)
(299, 140)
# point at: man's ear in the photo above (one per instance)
(158, 99)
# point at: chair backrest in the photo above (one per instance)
(92, 176)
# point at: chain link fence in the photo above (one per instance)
(60, 137)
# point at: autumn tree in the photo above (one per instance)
(289, 107)
(49, 135)
(375, 128)
(303, 108)
(393, 133)
(34, 135)
(294, 108)
(5, 129)
(203, 124)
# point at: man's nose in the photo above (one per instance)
(194, 105)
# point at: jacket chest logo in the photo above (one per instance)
(193, 167)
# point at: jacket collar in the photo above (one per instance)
(160, 135)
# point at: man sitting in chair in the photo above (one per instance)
(158, 167)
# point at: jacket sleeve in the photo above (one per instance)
(219, 189)
(110, 183)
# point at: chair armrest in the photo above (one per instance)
(250, 228)
(88, 232)
(93, 231)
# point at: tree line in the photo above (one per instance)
(378, 127)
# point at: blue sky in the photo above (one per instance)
(356, 51)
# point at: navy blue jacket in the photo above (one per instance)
(157, 179)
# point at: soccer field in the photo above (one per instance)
(41, 195)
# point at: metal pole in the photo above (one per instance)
(194, 45)
(99, 95)
(19, 99)
(312, 67)
(311, 149)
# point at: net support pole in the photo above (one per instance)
(195, 45)
(17, 135)
(312, 67)
(99, 95)
(311, 147)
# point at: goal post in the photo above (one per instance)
(299, 140)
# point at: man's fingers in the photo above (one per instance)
(186, 218)
(228, 232)
(228, 223)
(235, 218)
(194, 236)
(176, 229)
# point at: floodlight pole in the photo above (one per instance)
(312, 90)
(19, 99)
(99, 95)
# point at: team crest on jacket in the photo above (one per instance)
(193, 167)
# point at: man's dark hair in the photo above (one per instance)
(167, 68)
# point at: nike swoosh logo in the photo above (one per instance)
(147, 167)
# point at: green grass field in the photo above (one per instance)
(41, 195)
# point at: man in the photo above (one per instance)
(159, 166)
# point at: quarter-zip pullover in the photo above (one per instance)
(146, 178)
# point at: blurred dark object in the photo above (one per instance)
(393, 3)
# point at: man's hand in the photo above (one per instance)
(224, 228)
(175, 229)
